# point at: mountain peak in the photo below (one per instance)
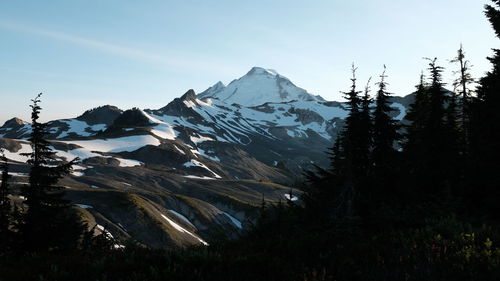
(14, 122)
(260, 70)
(190, 95)
(258, 86)
(219, 85)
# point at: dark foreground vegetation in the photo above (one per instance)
(413, 201)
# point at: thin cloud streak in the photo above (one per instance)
(124, 51)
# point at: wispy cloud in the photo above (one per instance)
(177, 62)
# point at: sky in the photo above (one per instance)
(86, 53)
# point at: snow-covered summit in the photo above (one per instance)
(257, 87)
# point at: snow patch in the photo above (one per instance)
(80, 128)
(402, 110)
(103, 230)
(77, 173)
(84, 206)
(189, 103)
(291, 198)
(164, 131)
(122, 144)
(129, 162)
(235, 221)
(183, 230)
(195, 163)
(182, 217)
(16, 156)
(199, 178)
(198, 139)
(180, 151)
(19, 174)
(204, 154)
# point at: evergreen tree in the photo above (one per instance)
(439, 138)
(413, 148)
(352, 166)
(336, 157)
(366, 124)
(353, 139)
(454, 149)
(416, 117)
(322, 185)
(461, 86)
(338, 191)
(365, 190)
(5, 205)
(483, 190)
(428, 149)
(385, 137)
(48, 222)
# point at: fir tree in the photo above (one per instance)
(385, 137)
(366, 124)
(353, 134)
(430, 148)
(413, 148)
(365, 191)
(352, 166)
(483, 190)
(48, 223)
(416, 116)
(335, 191)
(5, 205)
(336, 157)
(434, 137)
(352, 171)
(462, 86)
(322, 185)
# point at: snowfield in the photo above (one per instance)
(128, 144)
(79, 127)
(16, 156)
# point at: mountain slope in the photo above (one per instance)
(208, 159)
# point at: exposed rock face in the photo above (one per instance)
(182, 106)
(306, 116)
(105, 114)
(14, 122)
(129, 119)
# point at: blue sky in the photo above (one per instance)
(83, 54)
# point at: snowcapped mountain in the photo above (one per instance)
(197, 165)
(257, 87)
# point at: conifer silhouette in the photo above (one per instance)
(48, 223)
